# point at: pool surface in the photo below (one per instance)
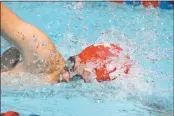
(145, 33)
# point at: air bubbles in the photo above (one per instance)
(80, 17)
(77, 5)
(12, 61)
(85, 28)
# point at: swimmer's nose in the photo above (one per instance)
(66, 77)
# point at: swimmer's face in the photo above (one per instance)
(74, 66)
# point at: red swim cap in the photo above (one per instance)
(11, 113)
(99, 54)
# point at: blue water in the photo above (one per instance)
(146, 33)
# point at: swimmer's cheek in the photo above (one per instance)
(85, 76)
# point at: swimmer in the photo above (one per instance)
(39, 55)
(105, 61)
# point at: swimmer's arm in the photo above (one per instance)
(30, 41)
(27, 38)
(9, 24)
(23, 35)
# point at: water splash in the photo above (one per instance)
(143, 33)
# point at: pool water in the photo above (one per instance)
(145, 33)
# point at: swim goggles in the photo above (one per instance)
(70, 64)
